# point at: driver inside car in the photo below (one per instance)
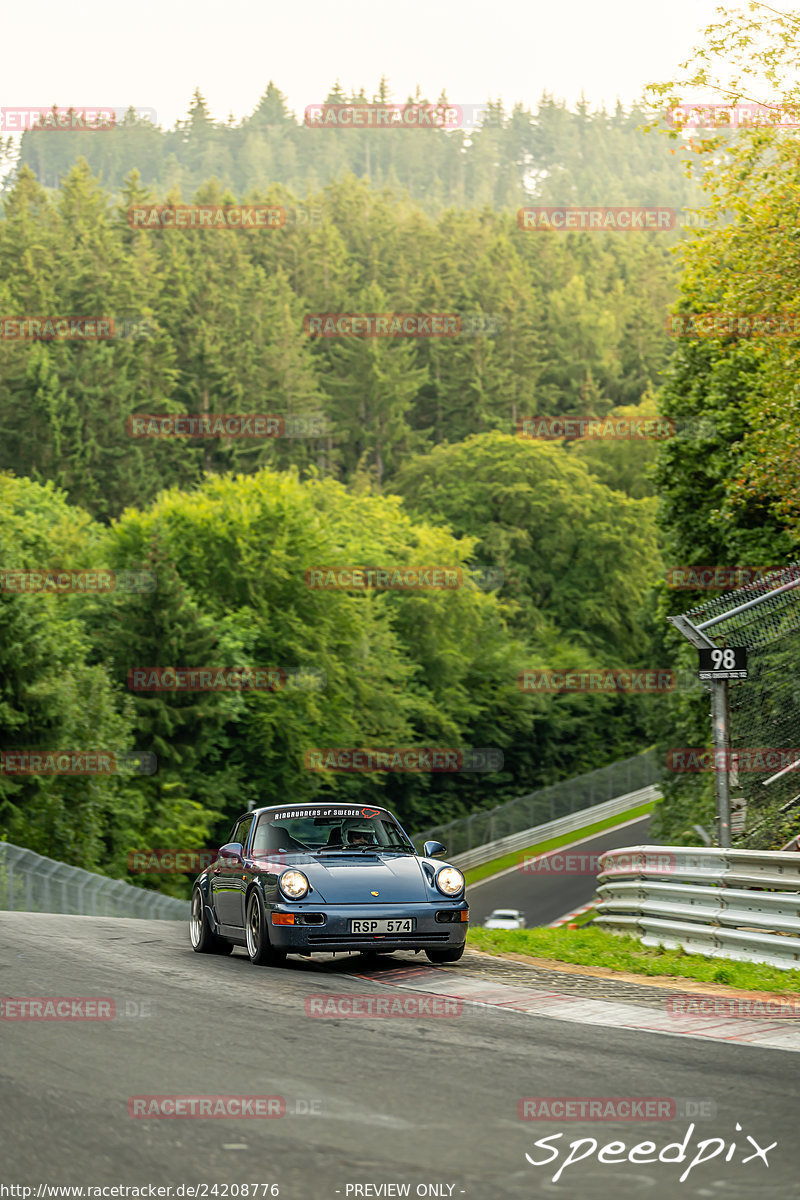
(359, 836)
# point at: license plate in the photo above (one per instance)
(396, 925)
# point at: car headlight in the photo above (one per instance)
(293, 884)
(450, 881)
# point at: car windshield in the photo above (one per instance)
(504, 914)
(329, 830)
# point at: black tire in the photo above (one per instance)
(202, 937)
(445, 956)
(259, 949)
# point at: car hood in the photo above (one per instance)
(501, 925)
(351, 878)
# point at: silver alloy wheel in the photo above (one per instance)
(253, 926)
(196, 919)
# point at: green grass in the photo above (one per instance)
(594, 947)
(564, 839)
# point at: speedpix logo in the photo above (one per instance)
(615, 1153)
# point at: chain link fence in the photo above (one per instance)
(546, 804)
(32, 883)
(764, 709)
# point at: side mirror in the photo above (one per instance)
(233, 851)
(433, 850)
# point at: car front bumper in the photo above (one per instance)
(334, 934)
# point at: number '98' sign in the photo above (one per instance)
(728, 662)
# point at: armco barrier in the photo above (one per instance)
(741, 904)
(32, 883)
(572, 822)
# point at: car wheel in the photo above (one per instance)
(258, 943)
(445, 956)
(203, 939)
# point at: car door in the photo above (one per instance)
(227, 882)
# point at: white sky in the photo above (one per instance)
(152, 55)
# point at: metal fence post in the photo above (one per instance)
(719, 721)
(81, 886)
(719, 724)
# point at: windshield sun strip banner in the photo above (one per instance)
(301, 810)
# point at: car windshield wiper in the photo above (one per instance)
(362, 850)
(383, 849)
(336, 850)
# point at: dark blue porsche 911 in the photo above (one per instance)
(300, 878)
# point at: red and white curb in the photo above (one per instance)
(572, 916)
(780, 1034)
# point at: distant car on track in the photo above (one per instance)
(315, 878)
(505, 918)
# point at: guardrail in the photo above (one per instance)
(551, 829)
(740, 904)
(30, 882)
(490, 825)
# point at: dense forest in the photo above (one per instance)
(213, 320)
(405, 453)
(480, 157)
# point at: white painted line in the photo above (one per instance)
(557, 849)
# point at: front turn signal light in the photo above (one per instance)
(283, 918)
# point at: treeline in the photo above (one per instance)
(730, 484)
(494, 158)
(214, 321)
(363, 670)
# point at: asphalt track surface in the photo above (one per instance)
(413, 1101)
(545, 895)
